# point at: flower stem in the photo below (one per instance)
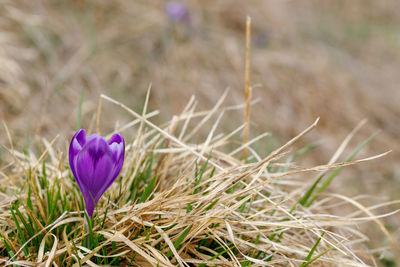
(88, 230)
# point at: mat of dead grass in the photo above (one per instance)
(180, 203)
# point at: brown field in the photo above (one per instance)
(337, 60)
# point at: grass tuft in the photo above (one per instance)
(183, 203)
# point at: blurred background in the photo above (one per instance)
(338, 60)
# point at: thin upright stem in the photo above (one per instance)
(247, 89)
(87, 229)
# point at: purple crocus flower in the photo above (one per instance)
(178, 12)
(95, 164)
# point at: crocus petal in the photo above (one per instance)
(102, 176)
(95, 164)
(117, 147)
(116, 138)
(84, 166)
(92, 137)
(75, 147)
(90, 205)
(90, 158)
(77, 142)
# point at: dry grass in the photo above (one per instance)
(335, 60)
(183, 203)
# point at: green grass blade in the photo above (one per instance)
(217, 255)
(78, 259)
(21, 237)
(318, 256)
(178, 241)
(304, 150)
(338, 170)
(301, 152)
(309, 192)
(28, 199)
(115, 260)
(8, 248)
(27, 226)
(212, 204)
(148, 190)
(243, 206)
(199, 176)
(307, 260)
(247, 262)
(150, 186)
(189, 207)
(105, 214)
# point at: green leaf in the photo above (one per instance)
(189, 207)
(199, 176)
(27, 226)
(21, 237)
(307, 260)
(338, 170)
(150, 186)
(212, 204)
(178, 241)
(76, 252)
(309, 192)
(217, 255)
(115, 260)
(8, 248)
(300, 153)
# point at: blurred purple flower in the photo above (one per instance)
(95, 164)
(178, 12)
